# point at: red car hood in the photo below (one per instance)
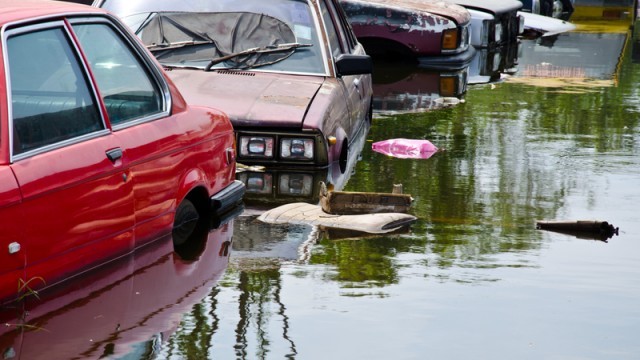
(250, 98)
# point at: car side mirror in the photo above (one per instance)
(349, 64)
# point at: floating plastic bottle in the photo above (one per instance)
(405, 148)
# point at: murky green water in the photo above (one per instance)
(471, 279)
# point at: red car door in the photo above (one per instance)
(137, 102)
(169, 150)
(77, 198)
(11, 240)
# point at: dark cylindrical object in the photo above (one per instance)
(584, 226)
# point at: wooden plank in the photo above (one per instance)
(359, 203)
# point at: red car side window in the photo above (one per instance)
(128, 91)
(50, 97)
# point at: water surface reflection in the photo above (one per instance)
(128, 308)
(473, 277)
(572, 60)
(473, 268)
(403, 89)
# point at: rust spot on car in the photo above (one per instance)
(286, 100)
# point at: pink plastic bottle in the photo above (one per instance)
(405, 148)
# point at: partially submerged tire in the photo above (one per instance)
(344, 156)
(185, 222)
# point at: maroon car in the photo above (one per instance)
(434, 33)
(99, 152)
(290, 74)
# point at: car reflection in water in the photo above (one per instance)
(572, 60)
(271, 188)
(489, 65)
(268, 188)
(400, 88)
(124, 309)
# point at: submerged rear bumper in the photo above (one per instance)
(228, 198)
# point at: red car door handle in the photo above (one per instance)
(114, 154)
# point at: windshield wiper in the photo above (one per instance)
(177, 45)
(256, 50)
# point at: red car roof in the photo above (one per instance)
(12, 10)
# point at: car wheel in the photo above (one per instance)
(185, 222)
(344, 156)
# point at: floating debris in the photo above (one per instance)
(374, 213)
(304, 213)
(405, 148)
(355, 203)
(584, 229)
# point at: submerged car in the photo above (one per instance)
(536, 26)
(493, 22)
(560, 9)
(99, 152)
(434, 33)
(270, 187)
(290, 74)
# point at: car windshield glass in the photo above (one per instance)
(237, 40)
(199, 46)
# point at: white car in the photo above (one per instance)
(560, 9)
(493, 22)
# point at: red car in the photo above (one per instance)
(99, 153)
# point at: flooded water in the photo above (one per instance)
(472, 278)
